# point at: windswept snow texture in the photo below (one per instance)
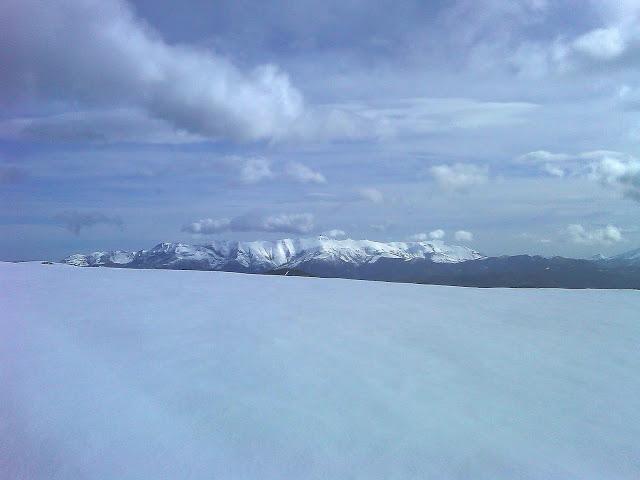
(149, 374)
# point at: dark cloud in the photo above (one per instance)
(75, 221)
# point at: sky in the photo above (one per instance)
(508, 126)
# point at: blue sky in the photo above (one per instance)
(123, 124)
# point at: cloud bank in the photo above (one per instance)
(438, 234)
(615, 170)
(97, 53)
(252, 171)
(622, 174)
(299, 223)
(601, 236)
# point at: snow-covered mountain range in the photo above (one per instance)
(432, 262)
(264, 256)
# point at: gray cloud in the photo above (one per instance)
(99, 53)
(75, 221)
(105, 126)
(299, 223)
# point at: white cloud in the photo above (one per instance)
(437, 234)
(614, 40)
(602, 236)
(463, 236)
(90, 55)
(628, 98)
(251, 171)
(335, 233)
(554, 170)
(255, 170)
(612, 169)
(459, 176)
(299, 223)
(404, 117)
(554, 164)
(303, 174)
(208, 226)
(543, 156)
(99, 54)
(370, 194)
(615, 170)
(622, 174)
(601, 43)
(433, 235)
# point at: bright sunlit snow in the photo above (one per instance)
(142, 374)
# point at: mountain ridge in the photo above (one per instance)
(430, 262)
(260, 256)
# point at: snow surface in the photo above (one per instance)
(155, 374)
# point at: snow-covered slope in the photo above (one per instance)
(147, 374)
(100, 258)
(261, 256)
